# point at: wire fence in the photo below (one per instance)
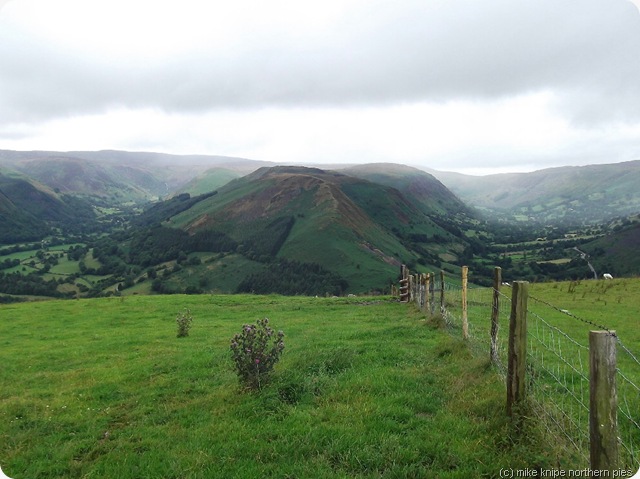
(557, 364)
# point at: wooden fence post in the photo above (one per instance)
(465, 321)
(495, 313)
(517, 360)
(412, 288)
(603, 402)
(427, 281)
(431, 292)
(442, 305)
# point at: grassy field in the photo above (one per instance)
(102, 388)
(560, 317)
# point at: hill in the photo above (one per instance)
(209, 180)
(617, 252)
(115, 184)
(573, 194)
(426, 191)
(351, 228)
(29, 210)
(118, 177)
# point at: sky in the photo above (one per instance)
(459, 85)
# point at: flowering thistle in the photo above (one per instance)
(255, 351)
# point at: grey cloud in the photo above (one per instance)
(588, 51)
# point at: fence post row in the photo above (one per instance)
(421, 289)
(517, 355)
(603, 401)
(603, 398)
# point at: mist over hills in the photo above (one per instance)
(118, 176)
(233, 224)
(577, 194)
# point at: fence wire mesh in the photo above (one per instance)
(558, 380)
(557, 363)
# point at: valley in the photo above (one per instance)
(118, 223)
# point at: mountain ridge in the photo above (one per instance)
(348, 225)
(589, 193)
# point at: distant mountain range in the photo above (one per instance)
(356, 222)
(573, 194)
(117, 176)
(592, 193)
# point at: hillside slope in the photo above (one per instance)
(28, 210)
(207, 181)
(355, 228)
(118, 176)
(616, 253)
(587, 194)
(82, 177)
(427, 192)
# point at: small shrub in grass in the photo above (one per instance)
(184, 320)
(255, 352)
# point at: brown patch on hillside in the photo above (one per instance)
(284, 187)
(201, 222)
(346, 211)
(386, 258)
(272, 199)
(268, 202)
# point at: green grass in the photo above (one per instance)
(21, 255)
(103, 388)
(65, 267)
(559, 320)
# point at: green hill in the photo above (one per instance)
(574, 194)
(15, 224)
(86, 178)
(427, 192)
(354, 228)
(28, 210)
(616, 253)
(209, 180)
(118, 177)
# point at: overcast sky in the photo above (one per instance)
(464, 85)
